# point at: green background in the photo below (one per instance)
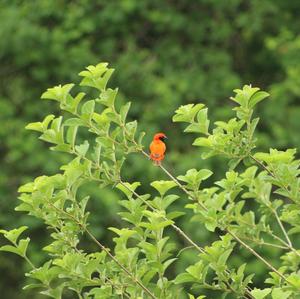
(166, 53)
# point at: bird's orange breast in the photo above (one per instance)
(157, 150)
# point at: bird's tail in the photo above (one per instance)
(156, 163)
(156, 158)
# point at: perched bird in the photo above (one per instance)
(158, 148)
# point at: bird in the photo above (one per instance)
(158, 148)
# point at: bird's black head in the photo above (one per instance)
(160, 136)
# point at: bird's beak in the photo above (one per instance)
(165, 137)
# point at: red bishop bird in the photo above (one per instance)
(158, 148)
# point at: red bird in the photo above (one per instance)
(158, 148)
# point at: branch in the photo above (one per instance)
(272, 174)
(178, 230)
(133, 278)
(263, 243)
(257, 255)
(227, 230)
(282, 228)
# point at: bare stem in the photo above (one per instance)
(177, 182)
(29, 262)
(26, 257)
(263, 243)
(262, 165)
(282, 228)
(257, 255)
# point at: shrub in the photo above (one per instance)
(140, 263)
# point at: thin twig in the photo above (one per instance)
(257, 255)
(177, 182)
(29, 262)
(262, 166)
(286, 246)
(263, 243)
(25, 257)
(282, 228)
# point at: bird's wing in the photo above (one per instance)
(157, 148)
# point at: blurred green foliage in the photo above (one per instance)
(167, 53)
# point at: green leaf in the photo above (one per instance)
(22, 246)
(193, 177)
(88, 107)
(45, 274)
(75, 102)
(276, 156)
(199, 297)
(10, 248)
(169, 199)
(203, 121)
(56, 123)
(186, 113)
(131, 128)
(294, 280)
(75, 122)
(184, 278)
(202, 141)
(211, 224)
(40, 126)
(168, 263)
(243, 95)
(278, 293)
(105, 292)
(96, 76)
(55, 293)
(174, 214)
(124, 111)
(14, 234)
(71, 135)
(36, 126)
(128, 189)
(101, 119)
(163, 186)
(33, 286)
(82, 148)
(204, 174)
(57, 93)
(140, 138)
(223, 257)
(257, 97)
(108, 98)
(193, 128)
(260, 294)
(49, 136)
(29, 187)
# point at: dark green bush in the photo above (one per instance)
(167, 54)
